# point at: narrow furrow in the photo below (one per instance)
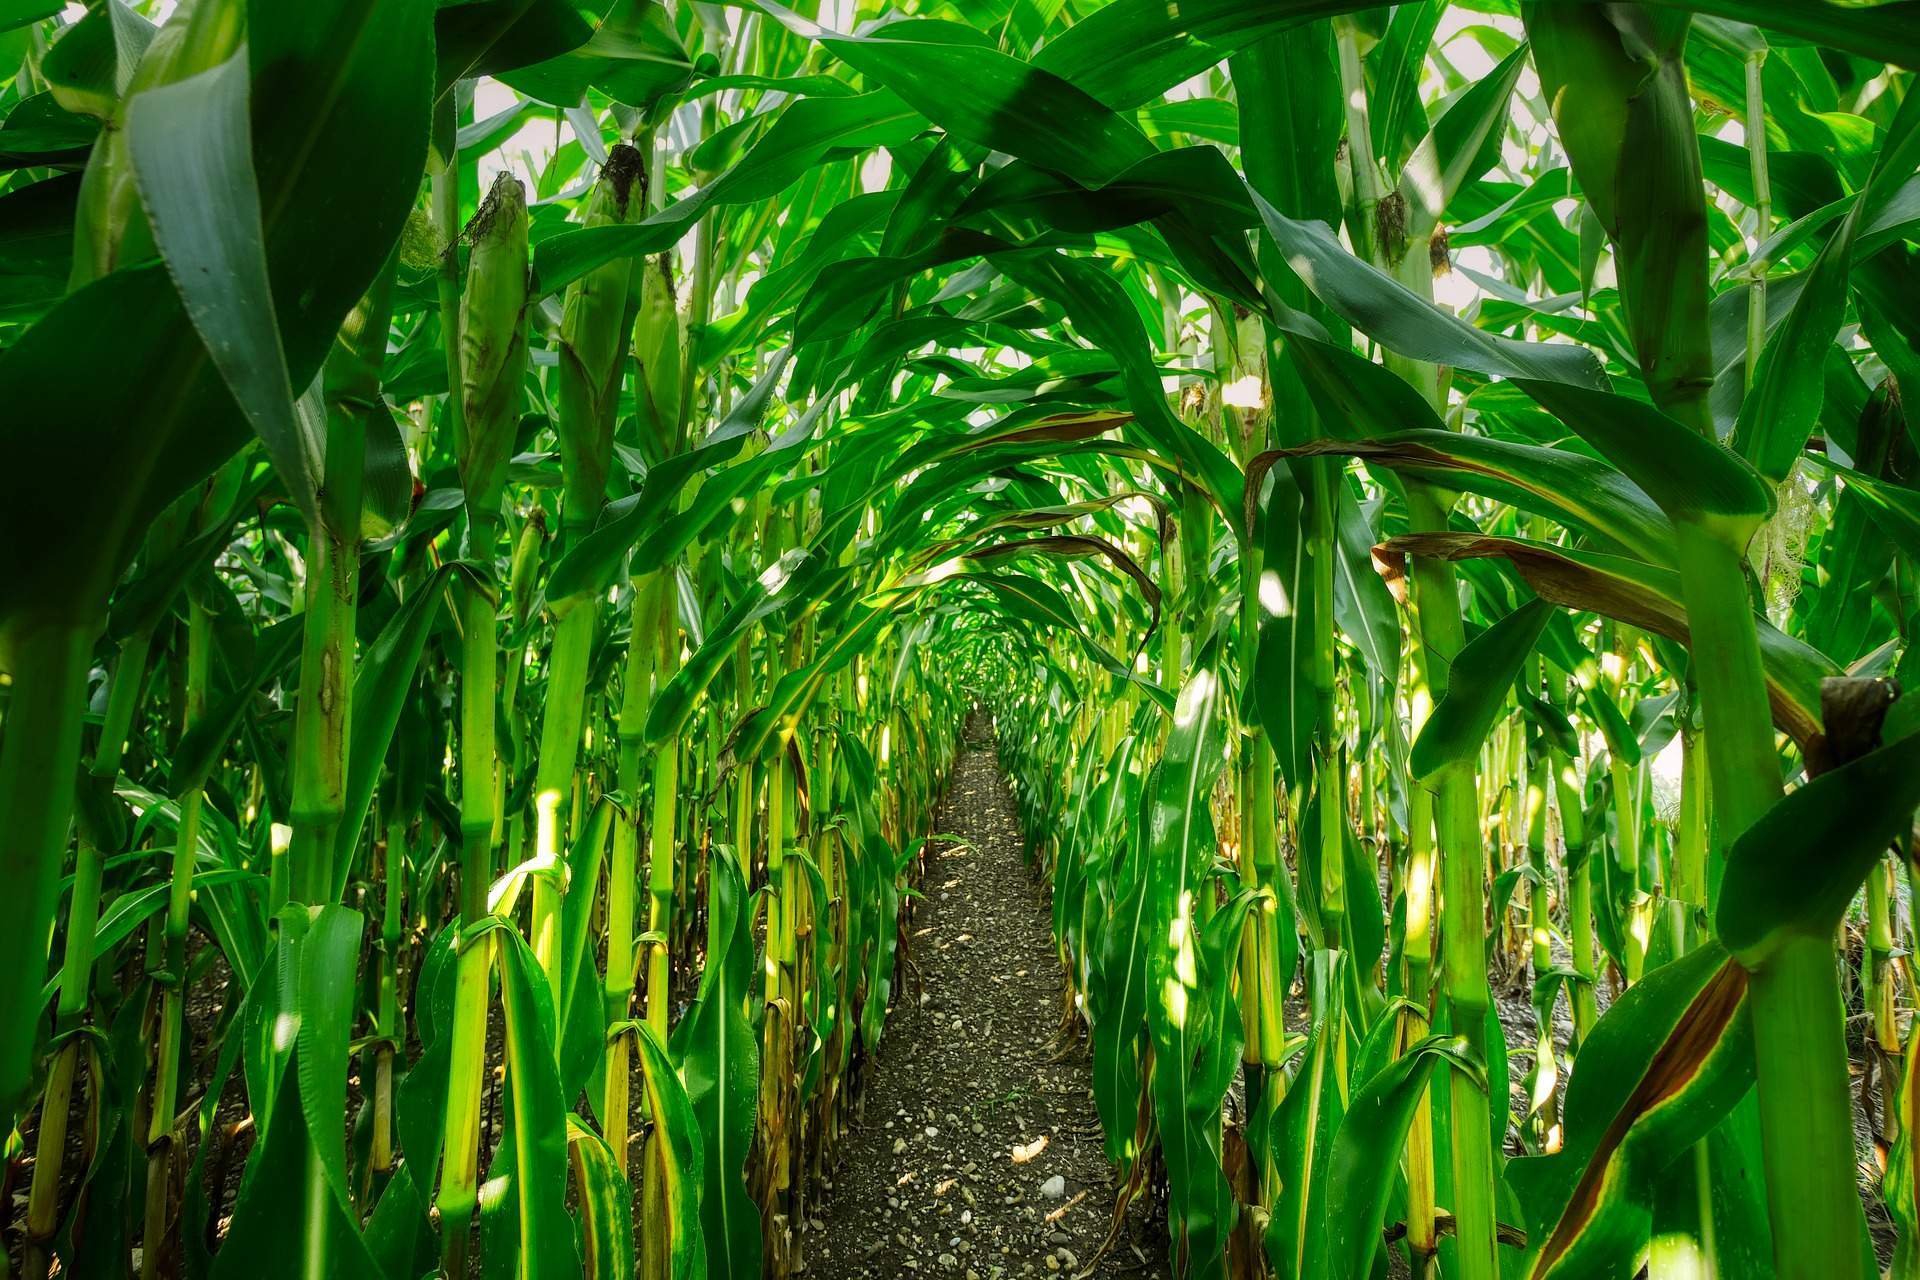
(978, 1155)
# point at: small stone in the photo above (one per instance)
(948, 1261)
(1054, 1188)
(1059, 1237)
(932, 1132)
(1067, 1258)
(978, 1127)
(1053, 1263)
(899, 1146)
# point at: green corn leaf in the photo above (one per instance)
(1665, 1064)
(1463, 144)
(1394, 67)
(346, 122)
(954, 77)
(1282, 689)
(1644, 596)
(719, 1059)
(1783, 406)
(200, 748)
(606, 1203)
(186, 140)
(1580, 492)
(1691, 477)
(537, 1113)
(1477, 689)
(1364, 1159)
(381, 686)
(488, 37)
(277, 1194)
(325, 1016)
(646, 519)
(1362, 604)
(1131, 51)
(1310, 1117)
(634, 56)
(797, 140)
(1895, 510)
(1179, 851)
(1386, 310)
(583, 1005)
(675, 1155)
(1617, 84)
(1794, 872)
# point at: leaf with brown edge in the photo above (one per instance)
(1573, 489)
(1665, 1065)
(1074, 546)
(1642, 595)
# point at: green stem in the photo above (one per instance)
(479, 755)
(666, 795)
(636, 695)
(554, 783)
(1800, 1051)
(1463, 869)
(1806, 1117)
(1464, 966)
(1741, 760)
(460, 1161)
(164, 1104)
(323, 708)
(1579, 864)
(39, 763)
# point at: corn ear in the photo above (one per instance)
(493, 345)
(659, 346)
(591, 361)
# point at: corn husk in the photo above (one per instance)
(591, 358)
(493, 344)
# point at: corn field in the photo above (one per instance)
(507, 507)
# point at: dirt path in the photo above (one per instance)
(928, 1183)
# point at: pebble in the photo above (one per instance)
(1054, 1188)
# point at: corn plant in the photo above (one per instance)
(512, 502)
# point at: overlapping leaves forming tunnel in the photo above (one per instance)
(510, 502)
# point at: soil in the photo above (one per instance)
(978, 1100)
